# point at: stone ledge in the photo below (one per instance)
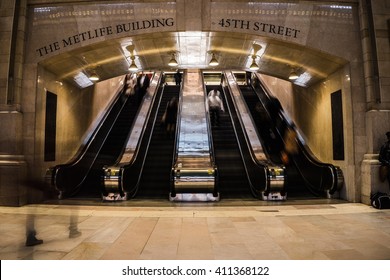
(16, 108)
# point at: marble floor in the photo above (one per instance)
(230, 230)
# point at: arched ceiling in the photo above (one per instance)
(193, 50)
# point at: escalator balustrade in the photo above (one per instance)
(82, 176)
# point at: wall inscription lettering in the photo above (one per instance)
(261, 27)
(121, 28)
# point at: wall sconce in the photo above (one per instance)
(93, 77)
(256, 48)
(213, 61)
(173, 61)
(133, 67)
(254, 65)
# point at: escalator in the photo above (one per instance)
(194, 173)
(306, 175)
(148, 174)
(111, 150)
(272, 142)
(155, 178)
(232, 179)
(265, 127)
(82, 176)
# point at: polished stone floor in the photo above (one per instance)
(231, 229)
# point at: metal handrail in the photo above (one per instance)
(210, 136)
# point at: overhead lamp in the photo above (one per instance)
(254, 65)
(213, 61)
(173, 61)
(133, 67)
(94, 77)
(256, 48)
(293, 75)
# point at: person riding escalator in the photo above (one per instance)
(215, 106)
(170, 116)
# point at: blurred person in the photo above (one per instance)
(248, 78)
(40, 190)
(216, 91)
(31, 233)
(274, 109)
(177, 77)
(171, 116)
(131, 82)
(215, 106)
(143, 82)
(73, 223)
(31, 239)
(290, 140)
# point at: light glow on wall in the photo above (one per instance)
(82, 80)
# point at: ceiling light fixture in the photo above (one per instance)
(293, 75)
(133, 67)
(94, 77)
(256, 48)
(213, 61)
(254, 65)
(173, 61)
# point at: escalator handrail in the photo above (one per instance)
(252, 154)
(210, 136)
(177, 128)
(141, 134)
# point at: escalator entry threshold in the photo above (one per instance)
(194, 197)
(274, 196)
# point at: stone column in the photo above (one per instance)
(376, 50)
(12, 163)
(376, 122)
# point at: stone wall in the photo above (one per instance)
(78, 113)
